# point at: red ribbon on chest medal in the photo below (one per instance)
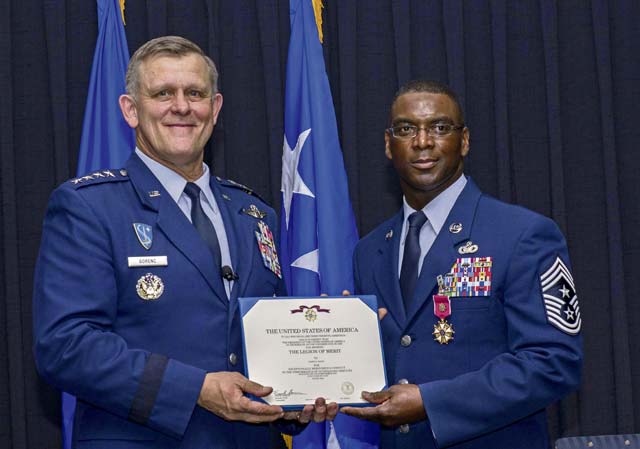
(442, 330)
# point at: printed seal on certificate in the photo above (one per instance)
(310, 347)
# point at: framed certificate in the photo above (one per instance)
(310, 347)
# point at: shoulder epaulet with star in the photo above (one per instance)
(237, 185)
(99, 177)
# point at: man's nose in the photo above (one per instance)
(180, 103)
(423, 139)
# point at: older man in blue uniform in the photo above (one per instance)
(482, 324)
(140, 268)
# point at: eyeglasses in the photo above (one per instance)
(434, 130)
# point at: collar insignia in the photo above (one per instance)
(455, 228)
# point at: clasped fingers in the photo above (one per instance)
(318, 412)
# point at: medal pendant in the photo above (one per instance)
(443, 332)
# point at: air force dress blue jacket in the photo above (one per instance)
(516, 347)
(130, 312)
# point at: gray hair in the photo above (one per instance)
(170, 46)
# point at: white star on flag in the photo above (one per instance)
(292, 183)
(308, 261)
(291, 180)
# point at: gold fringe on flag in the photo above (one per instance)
(317, 11)
(122, 11)
(288, 440)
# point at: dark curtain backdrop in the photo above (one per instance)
(551, 92)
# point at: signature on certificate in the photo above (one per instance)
(281, 395)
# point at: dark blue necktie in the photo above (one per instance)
(202, 223)
(411, 258)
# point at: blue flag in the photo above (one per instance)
(106, 140)
(318, 231)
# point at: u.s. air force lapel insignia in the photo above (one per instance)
(267, 247)
(144, 232)
(560, 299)
(254, 212)
(455, 228)
(149, 287)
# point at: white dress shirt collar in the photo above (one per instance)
(174, 183)
(438, 209)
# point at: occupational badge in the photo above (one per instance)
(468, 248)
(267, 248)
(254, 212)
(442, 330)
(560, 298)
(389, 234)
(149, 287)
(144, 232)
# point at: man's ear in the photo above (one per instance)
(129, 110)
(387, 149)
(217, 105)
(464, 145)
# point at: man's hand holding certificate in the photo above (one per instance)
(313, 347)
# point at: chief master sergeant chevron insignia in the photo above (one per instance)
(560, 299)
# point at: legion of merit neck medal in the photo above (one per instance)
(442, 330)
